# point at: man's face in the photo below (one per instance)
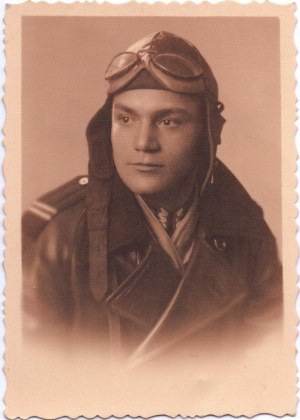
(155, 140)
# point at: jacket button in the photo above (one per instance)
(84, 180)
(220, 244)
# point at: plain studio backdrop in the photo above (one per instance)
(63, 64)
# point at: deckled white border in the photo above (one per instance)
(3, 4)
(2, 154)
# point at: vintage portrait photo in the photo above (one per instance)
(152, 222)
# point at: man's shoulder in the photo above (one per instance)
(231, 190)
(230, 209)
(60, 204)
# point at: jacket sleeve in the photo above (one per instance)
(264, 307)
(47, 236)
(47, 297)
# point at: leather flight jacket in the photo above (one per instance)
(233, 281)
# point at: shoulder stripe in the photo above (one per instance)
(42, 210)
(43, 215)
(45, 207)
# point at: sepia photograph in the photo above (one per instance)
(151, 197)
(156, 245)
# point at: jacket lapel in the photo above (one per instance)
(209, 290)
(144, 295)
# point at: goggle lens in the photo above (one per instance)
(171, 64)
(176, 66)
(121, 64)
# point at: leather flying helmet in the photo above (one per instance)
(171, 60)
(160, 61)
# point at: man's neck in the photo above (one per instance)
(171, 200)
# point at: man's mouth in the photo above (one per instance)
(146, 167)
(148, 164)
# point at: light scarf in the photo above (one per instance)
(179, 246)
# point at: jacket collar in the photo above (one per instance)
(225, 209)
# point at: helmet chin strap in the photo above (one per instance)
(212, 148)
(101, 169)
(97, 214)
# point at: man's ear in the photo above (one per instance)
(99, 141)
(217, 122)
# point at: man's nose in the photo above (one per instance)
(146, 139)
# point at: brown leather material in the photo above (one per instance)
(143, 296)
(196, 304)
(126, 221)
(56, 201)
(241, 282)
(97, 216)
(98, 131)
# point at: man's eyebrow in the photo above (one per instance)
(125, 108)
(157, 114)
(168, 111)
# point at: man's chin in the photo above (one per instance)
(147, 192)
(144, 189)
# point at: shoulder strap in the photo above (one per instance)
(52, 203)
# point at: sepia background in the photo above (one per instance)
(63, 65)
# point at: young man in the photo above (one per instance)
(160, 250)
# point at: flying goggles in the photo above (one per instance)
(171, 60)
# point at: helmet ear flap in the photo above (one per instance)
(101, 169)
(100, 151)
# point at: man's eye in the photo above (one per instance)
(124, 119)
(168, 122)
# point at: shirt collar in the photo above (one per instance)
(179, 245)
